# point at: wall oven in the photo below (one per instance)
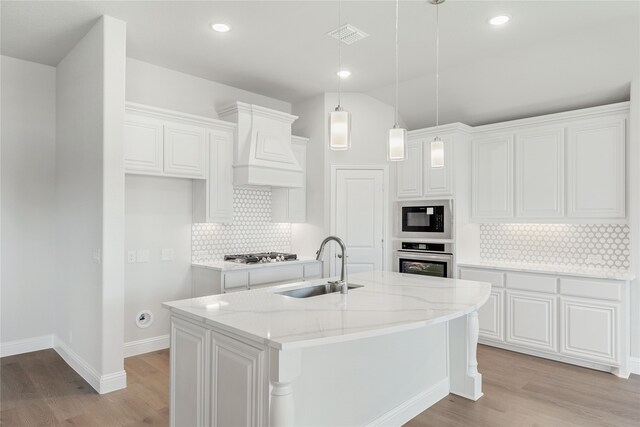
(426, 259)
(424, 219)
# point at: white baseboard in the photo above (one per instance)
(634, 365)
(147, 345)
(101, 383)
(26, 345)
(414, 406)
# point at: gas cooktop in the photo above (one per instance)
(261, 257)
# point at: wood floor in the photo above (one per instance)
(40, 389)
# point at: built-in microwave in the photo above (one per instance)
(424, 219)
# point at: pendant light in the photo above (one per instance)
(397, 150)
(437, 145)
(339, 120)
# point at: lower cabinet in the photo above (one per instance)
(531, 320)
(577, 320)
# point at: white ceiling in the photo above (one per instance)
(552, 56)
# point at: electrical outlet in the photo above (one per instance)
(142, 255)
(97, 256)
(594, 259)
(167, 254)
(513, 253)
(131, 256)
(202, 254)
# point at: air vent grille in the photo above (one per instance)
(348, 34)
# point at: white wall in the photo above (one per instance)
(161, 87)
(158, 215)
(633, 197)
(89, 289)
(28, 198)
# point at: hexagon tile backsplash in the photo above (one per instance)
(597, 245)
(251, 230)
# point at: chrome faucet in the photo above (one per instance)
(343, 272)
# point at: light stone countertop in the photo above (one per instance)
(232, 266)
(567, 270)
(387, 303)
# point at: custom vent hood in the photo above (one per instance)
(263, 154)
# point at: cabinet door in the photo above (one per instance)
(589, 329)
(142, 145)
(437, 181)
(531, 320)
(220, 183)
(596, 169)
(184, 151)
(490, 316)
(189, 373)
(540, 173)
(409, 172)
(236, 383)
(492, 173)
(290, 204)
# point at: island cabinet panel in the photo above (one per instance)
(531, 320)
(237, 378)
(189, 373)
(589, 329)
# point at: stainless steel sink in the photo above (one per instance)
(314, 291)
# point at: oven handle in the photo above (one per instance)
(426, 257)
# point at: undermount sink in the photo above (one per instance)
(314, 291)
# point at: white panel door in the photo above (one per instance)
(359, 218)
(531, 320)
(492, 177)
(184, 151)
(540, 173)
(596, 169)
(409, 172)
(142, 145)
(438, 181)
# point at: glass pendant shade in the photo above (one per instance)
(397, 144)
(339, 129)
(437, 153)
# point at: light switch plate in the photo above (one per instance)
(131, 256)
(167, 254)
(142, 255)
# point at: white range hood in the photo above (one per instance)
(263, 154)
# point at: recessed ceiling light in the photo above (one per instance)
(221, 28)
(499, 20)
(344, 73)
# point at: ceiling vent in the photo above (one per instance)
(348, 34)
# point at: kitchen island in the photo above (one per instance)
(378, 355)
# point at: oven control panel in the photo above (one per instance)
(423, 246)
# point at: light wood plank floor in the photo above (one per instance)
(40, 389)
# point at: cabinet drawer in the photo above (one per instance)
(289, 273)
(528, 282)
(591, 289)
(495, 278)
(312, 270)
(235, 279)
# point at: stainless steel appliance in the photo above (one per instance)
(424, 258)
(261, 257)
(424, 219)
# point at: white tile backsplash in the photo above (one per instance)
(251, 230)
(599, 245)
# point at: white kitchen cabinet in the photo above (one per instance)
(589, 329)
(213, 197)
(189, 373)
(409, 172)
(492, 177)
(438, 180)
(531, 320)
(290, 204)
(236, 382)
(143, 147)
(596, 168)
(184, 150)
(490, 315)
(539, 173)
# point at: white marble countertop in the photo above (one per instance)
(229, 266)
(568, 270)
(387, 303)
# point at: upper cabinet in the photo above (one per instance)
(566, 167)
(421, 176)
(290, 204)
(159, 146)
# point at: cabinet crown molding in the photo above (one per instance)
(164, 114)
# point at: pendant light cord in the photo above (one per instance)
(437, 66)
(339, 52)
(396, 115)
